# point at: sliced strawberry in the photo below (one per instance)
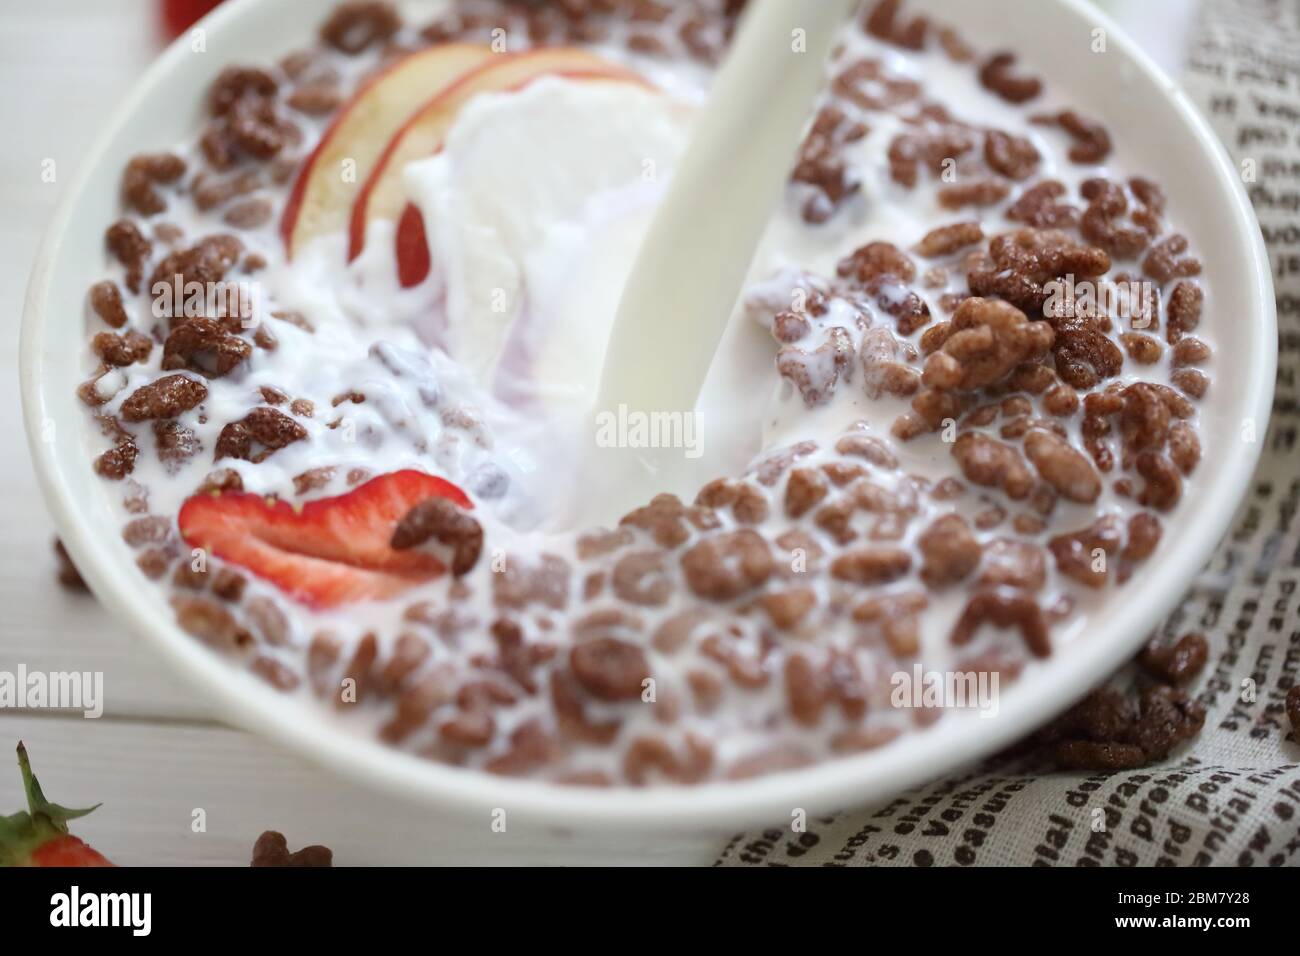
(329, 551)
(40, 836)
(179, 15)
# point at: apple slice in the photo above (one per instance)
(325, 189)
(382, 195)
(410, 243)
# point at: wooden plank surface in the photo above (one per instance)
(152, 776)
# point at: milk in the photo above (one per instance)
(555, 233)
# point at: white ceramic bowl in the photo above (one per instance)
(1160, 132)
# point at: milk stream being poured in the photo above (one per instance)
(534, 252)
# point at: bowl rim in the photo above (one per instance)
(845, 782)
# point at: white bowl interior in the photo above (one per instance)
(1158, 133)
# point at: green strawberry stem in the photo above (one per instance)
(22, 834)
(36, 802)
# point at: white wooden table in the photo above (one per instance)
(157, 754)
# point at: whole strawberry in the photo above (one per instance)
(40, 836)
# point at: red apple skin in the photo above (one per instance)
(550, 62)
(412, 250)
(454, 58)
